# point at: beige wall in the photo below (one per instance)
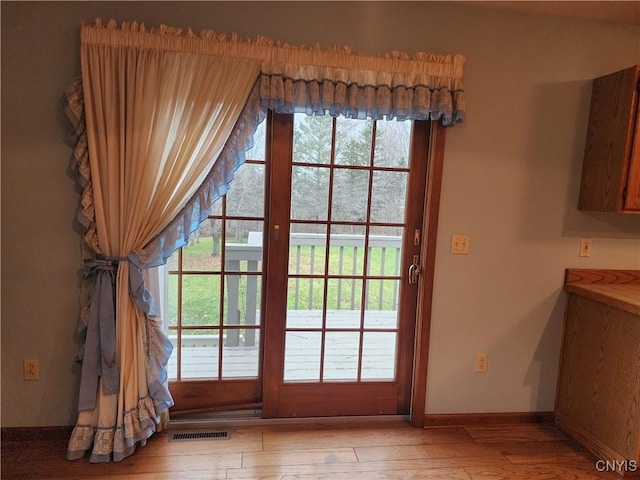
(510, 181)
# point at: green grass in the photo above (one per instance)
(201, 293)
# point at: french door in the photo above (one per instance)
(317, 283)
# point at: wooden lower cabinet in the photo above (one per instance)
(598, 398)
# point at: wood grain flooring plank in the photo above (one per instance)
(575, 459)
(237, 442)
(502, 433)
(192, 475)
(416, 452)
(535, 472)
(59, 467)
(429, 474)
(364, 469)
(362, 437)
(299, 457)
(531, 448)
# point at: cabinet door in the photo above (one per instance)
(606, 170)
(599, 379)
(632, 199)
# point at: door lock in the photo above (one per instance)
(414, 271)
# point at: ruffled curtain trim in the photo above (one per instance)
(115, 442)
(86, 214)
(159, 349)
(423, 85)
(312, 97)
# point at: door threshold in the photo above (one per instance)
(254, 417)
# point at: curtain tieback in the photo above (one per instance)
(92, 266)
(99, 357)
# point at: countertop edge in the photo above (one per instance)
(597, 293)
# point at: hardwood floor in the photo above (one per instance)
(329, 451)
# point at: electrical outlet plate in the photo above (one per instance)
(460, 244)
(585, 247)
(482, 362)
(31, 369)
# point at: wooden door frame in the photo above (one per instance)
(435, 159)
(276, 230)
(425, 286)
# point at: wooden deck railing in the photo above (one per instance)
(251, 252)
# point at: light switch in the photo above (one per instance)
(585, 247)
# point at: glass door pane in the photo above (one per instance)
(215, 297)
(345, 251)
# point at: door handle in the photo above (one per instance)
(414, 271)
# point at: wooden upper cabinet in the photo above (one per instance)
(611, 168)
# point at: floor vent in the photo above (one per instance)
(188, 436)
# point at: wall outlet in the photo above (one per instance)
(482, 362)
(460, 244)
(31, 369)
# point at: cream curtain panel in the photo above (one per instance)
(163, 118)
